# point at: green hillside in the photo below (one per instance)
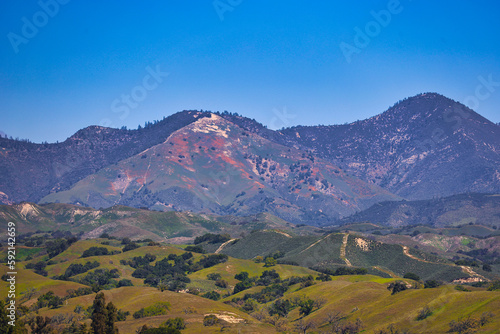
(122, 221)
(366, 297)
(338, 249)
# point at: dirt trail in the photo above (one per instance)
(388, 272)
(472, 273)
(342, 250)
(279, 232)
(406, 251)
(317, 242)
(465, 269)
(223, 245)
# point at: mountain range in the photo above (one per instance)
(423, 147)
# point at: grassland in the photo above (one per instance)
(363, 296)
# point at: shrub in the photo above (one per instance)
(323, 277)
(100, 279)
(159, 308)
(130, 246)
(212, 260)
(76, 268)
(424, 313)
(221, 283)
(306, 307)
(241, 286)
(95, 251)
(196, 249)
(461, 288)
(396, 287)
(214, 295)
(495, 285)
(431, 284)
(49, 299)
(125, 282)
(281, 307)
(210, 320)
(212, 238)
(177, 323)
(242, 276)
(412, 276)
(214, 276)
(270, 261)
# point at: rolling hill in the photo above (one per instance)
(453, 211)
(344, 249)
(338, 302)
(121, 221)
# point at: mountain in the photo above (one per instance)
(214, 166)
(30, 171)
(457, 210)
(422, 147)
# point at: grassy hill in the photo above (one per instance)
(339, 249)
(367, 298)
(122, 221)
(360, 296)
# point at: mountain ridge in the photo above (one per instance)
(214, 166)
(422, 147)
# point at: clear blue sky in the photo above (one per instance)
(261, 59)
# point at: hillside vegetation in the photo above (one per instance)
(149, 283)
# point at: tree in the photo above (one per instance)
(41, 325)
(334, 317)
(270, 262)
(4, 321)
(29, 293)
(210, 320)
(177, 323)
(431, 284)
(281, 307)
(99, 315)
(412, 276)
(323, 277)
(55, 302)
(112, 313)
(306, 307)
(242, 276)
(214, 295)
(303, 326)
(424, 313)
(396, 287)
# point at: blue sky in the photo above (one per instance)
(280, 62)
